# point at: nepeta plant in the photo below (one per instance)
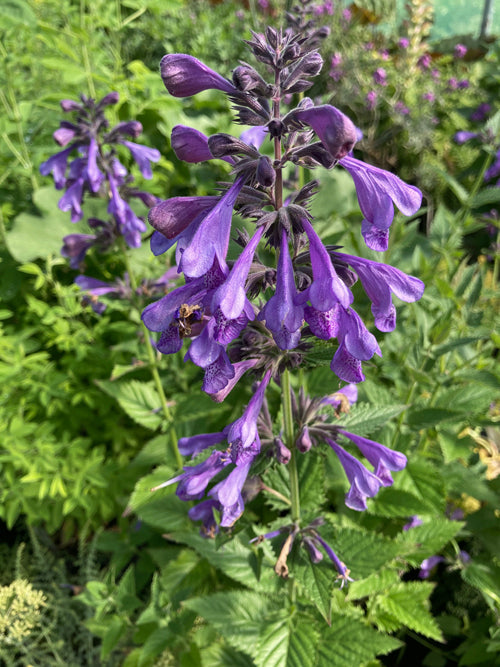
(244, 316)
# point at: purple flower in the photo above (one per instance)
(371, 100)
(339, 565)
(143, 155)
(377, 190)
(172, 216)
(427, 565)
(380, 76)
(401, 108)
(229, 492)
(481, 112)
(429, 96)
(424, 62)
(72, 200)
(283, 317)
(379, 282)
(413, 522)
(382, 458)
(356, 344)
(240, 368)
(195, 479)
(130, 225)
(452, 83)
(327, 288)
(462, 136)
(494, 170)
(349, 393)
(211, 239)
(57, 165)
(64, 134)
(335, 130)
(364, 484)
(404, 43)
(184, 75)
(193, 445)
(459, 51)
(463, 83)
(76, 246)
(190, 145)
(94, 175)
(242, 433)
(204, 512)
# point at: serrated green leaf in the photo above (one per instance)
(420, 418)
(391, 502)
(486, 579)
(287, 642)
(311, 481)
(166, 513)
(362, 552)
(139, 400)
(348, 642)
(218, 655)
(408, 604)
(427, 540)
(315, 580)
(425, 482)
(375, 583)
(366, 418)
(486, 196)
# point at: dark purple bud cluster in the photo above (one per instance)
(90, 164)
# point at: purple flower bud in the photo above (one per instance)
(281, 451)
(172, 216)
(65, 134)
(404, 43)
(380, 77)
(111, 98)
(265, 173)
(184, 75)
(382, 458)
(76, 246)
(131, 128)
(304, 442)
(427, 565)
(314, 553)
(193, 445)
(72, 200)
(70, 105)
(335, 130)
(57, 165)
(190, 145)
(246, 78)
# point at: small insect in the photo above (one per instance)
(186, 317)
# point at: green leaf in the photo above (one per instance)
(139, 400)
(362, 552)
(315, 579)
(408, 604)
(14, 12)
(311, 481)
(34, 236)
(366, 418)
(486, 579)
(348, 642)
(420, 418)
(391, 502)
(486, 196)
(375, 583)
(425, 482)
(287, 642)
(237, 615)
(165, 513)
(426, 540)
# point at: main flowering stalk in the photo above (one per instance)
(243, 316)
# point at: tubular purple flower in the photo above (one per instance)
(194, 480)
(240, 368)
(211, 239)
(462, 136)
(382, 458)
(184, 75)
(204, 512)
(427, 565)
(314, 553)
(282, 315)
(143, 155)
(339, 565)
(414, 521)
(70, 105)
(243, 431)
(379, 282)
(345, 366)
(76, 246)
(72, 200)
(327, 289)
(172, 216)
(324, 324)
(230, 297)
(64, 134)
(349, 392)
(130, 225)
(160, 244)
(158, 315)
(218, 374)
(358, 340)
(94, 175)
(335, 130)
(364, 484)
(94, 286)
(57, 165)
(193, 445)
(377, 189)
(228, 494)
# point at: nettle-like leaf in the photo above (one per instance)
(423, 541)
(424, 481)
(349, 642)
(366, 418)
(405, 605)
(139, 400)
(316, 580)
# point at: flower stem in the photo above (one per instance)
(153, 366)
(290, 442)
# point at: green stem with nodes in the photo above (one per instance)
(153, 366)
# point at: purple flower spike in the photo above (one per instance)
(377, 189)
(243, 432)
(382, 458)
(379, 281)
(364, 484)
(327, 289)
(190, 145)
(230, 297)
(143, 155)
(193, 445)
(211, 239)
(172, 216)
(184, 75)
(283, 317)
(335, 130)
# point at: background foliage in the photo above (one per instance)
(126, 578)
